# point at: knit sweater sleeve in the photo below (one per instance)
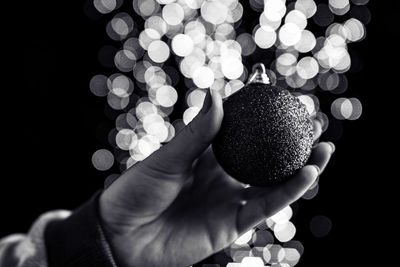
(60, 238)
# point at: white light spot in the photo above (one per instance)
(203, 77)
(265, 37)
(182, 45)
(289, 34)
(158, 51)
(102, 159)
(166, 96)
(173, 14)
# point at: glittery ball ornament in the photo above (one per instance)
(266, 134)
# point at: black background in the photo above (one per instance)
(52, 124)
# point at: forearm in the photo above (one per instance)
(60, 238)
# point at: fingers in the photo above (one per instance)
(317, 128)
(194, 138)
(264, 202)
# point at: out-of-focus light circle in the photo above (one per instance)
(156, 23)
(311, 193)
(328, 81)
(274, 9)
(203, 77)
(307, 42)
(320, 226)
(102, 159)
(125, 60)
(264, 21)
(234, 15)
(339, 7)
(336, 108)
(231, 67)
(120, 85)
(356, 109)
(166, 96)
(247, 43)
(265, 37)
(105, 6)
(252, 262)
(292, 256)
(244, 238)
(286, 64)
(285, 232)
(158, 51)
(308, 102)
(346, 109)
(182, 45)
(283, 215)
(98, 85)
(126, 139)
(307, 7)
(295, 244)
(355, 30)
(190, 114)
(289, 34)
(360, 2)
(214, 12)
(323, 17)
(296, 17)
(196, 98)
(273, 253)
(117, 102)
(122, 24)
(233, 86)
(307, 67)
(148, 144)
(144, 109)
(262, 237)
(173, 13)
(147, 36)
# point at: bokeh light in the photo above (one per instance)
(320, 226)
(102, 159)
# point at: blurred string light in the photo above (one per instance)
(203, 38)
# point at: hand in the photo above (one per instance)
(178, 206)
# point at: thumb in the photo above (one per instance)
(194, 138)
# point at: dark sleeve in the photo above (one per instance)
(79, 240)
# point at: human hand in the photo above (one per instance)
(179, 206)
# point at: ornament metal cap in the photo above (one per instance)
(258, 75)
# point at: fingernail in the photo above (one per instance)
(332, 146)
(207, 102)
(317, 168)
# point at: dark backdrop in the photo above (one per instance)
(53, 124)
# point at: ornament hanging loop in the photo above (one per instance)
(258, 75)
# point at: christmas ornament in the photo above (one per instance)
(266, 134)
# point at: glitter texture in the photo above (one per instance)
(266, 135)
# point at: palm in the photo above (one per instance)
(200, 221)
